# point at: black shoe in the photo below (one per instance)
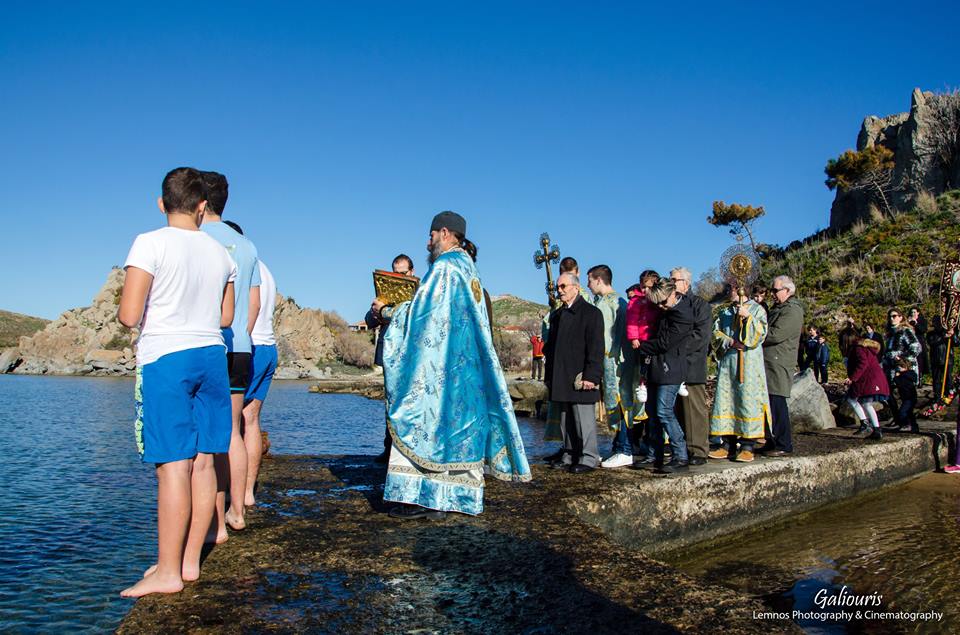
(558, 464)
(774, 454)
(383, 457)
(697, 460)
(580, 468)
(673, 466)
(556, 456)
(411, 512)
(875, 435)
(644, 463)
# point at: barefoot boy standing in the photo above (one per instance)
(232, 468)
(179, 291)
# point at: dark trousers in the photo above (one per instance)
(695, 419)
(906, 415)
(782, 433)
(387, 441)
(536, 368)
(938, 383)
(820, 373)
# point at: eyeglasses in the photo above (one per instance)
(662, 304)
(777, 289)
(894, 315)
(564, 286)
(676, 280)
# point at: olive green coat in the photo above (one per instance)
(780, 347)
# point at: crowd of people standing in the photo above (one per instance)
(645, 358)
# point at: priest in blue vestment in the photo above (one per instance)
(450, 415)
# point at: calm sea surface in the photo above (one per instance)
(78, 508)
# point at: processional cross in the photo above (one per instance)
(544, 256)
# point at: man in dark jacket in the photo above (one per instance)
(378, 317)
(939, 342)
(785, 322)
(668, 369)
(574, 368)
(695, 416)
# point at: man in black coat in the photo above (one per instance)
(378, 317)
(694, 414)
(574, 368)
(668, 369)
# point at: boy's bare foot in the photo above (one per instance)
(153, 583)
(215, 537)
(236, 522)
(190, 572)
(249, 500)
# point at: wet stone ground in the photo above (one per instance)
(321, 555)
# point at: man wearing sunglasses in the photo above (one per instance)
(785, 322)
(574, 353)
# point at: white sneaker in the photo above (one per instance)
(642, 393)
(682, 391)
(618, 460)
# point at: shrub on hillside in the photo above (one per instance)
(354, 349)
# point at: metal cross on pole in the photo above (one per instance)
(544, 256)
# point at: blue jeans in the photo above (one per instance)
(623, 441)
(665, 397)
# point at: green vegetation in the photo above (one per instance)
(851, 168)
(892, 261)
(739, 218)
(510, 310)
(15, 325)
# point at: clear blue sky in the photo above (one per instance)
(343, 127)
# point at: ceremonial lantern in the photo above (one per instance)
(543, 257)
(739, 266)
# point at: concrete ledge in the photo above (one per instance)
(656, 515)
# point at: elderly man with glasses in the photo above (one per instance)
(574, 353)
(785, 324)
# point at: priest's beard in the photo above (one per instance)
(435, 253)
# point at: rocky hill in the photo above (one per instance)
(511, 311)
(889, 261)
(15, 325)
(90, 340)
(925, 146)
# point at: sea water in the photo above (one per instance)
(78, 508)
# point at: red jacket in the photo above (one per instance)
(537, 344)
(642, 318)
(866, 375)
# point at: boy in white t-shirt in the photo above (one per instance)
(179, 291)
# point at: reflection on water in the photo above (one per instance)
(901, 543)
(78, 508)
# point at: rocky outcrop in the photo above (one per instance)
(808, 404)
(926, 155)
(83, 341)
(303, 340)
(90, 340)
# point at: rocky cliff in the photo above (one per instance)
(90, 340)
(926, 147)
